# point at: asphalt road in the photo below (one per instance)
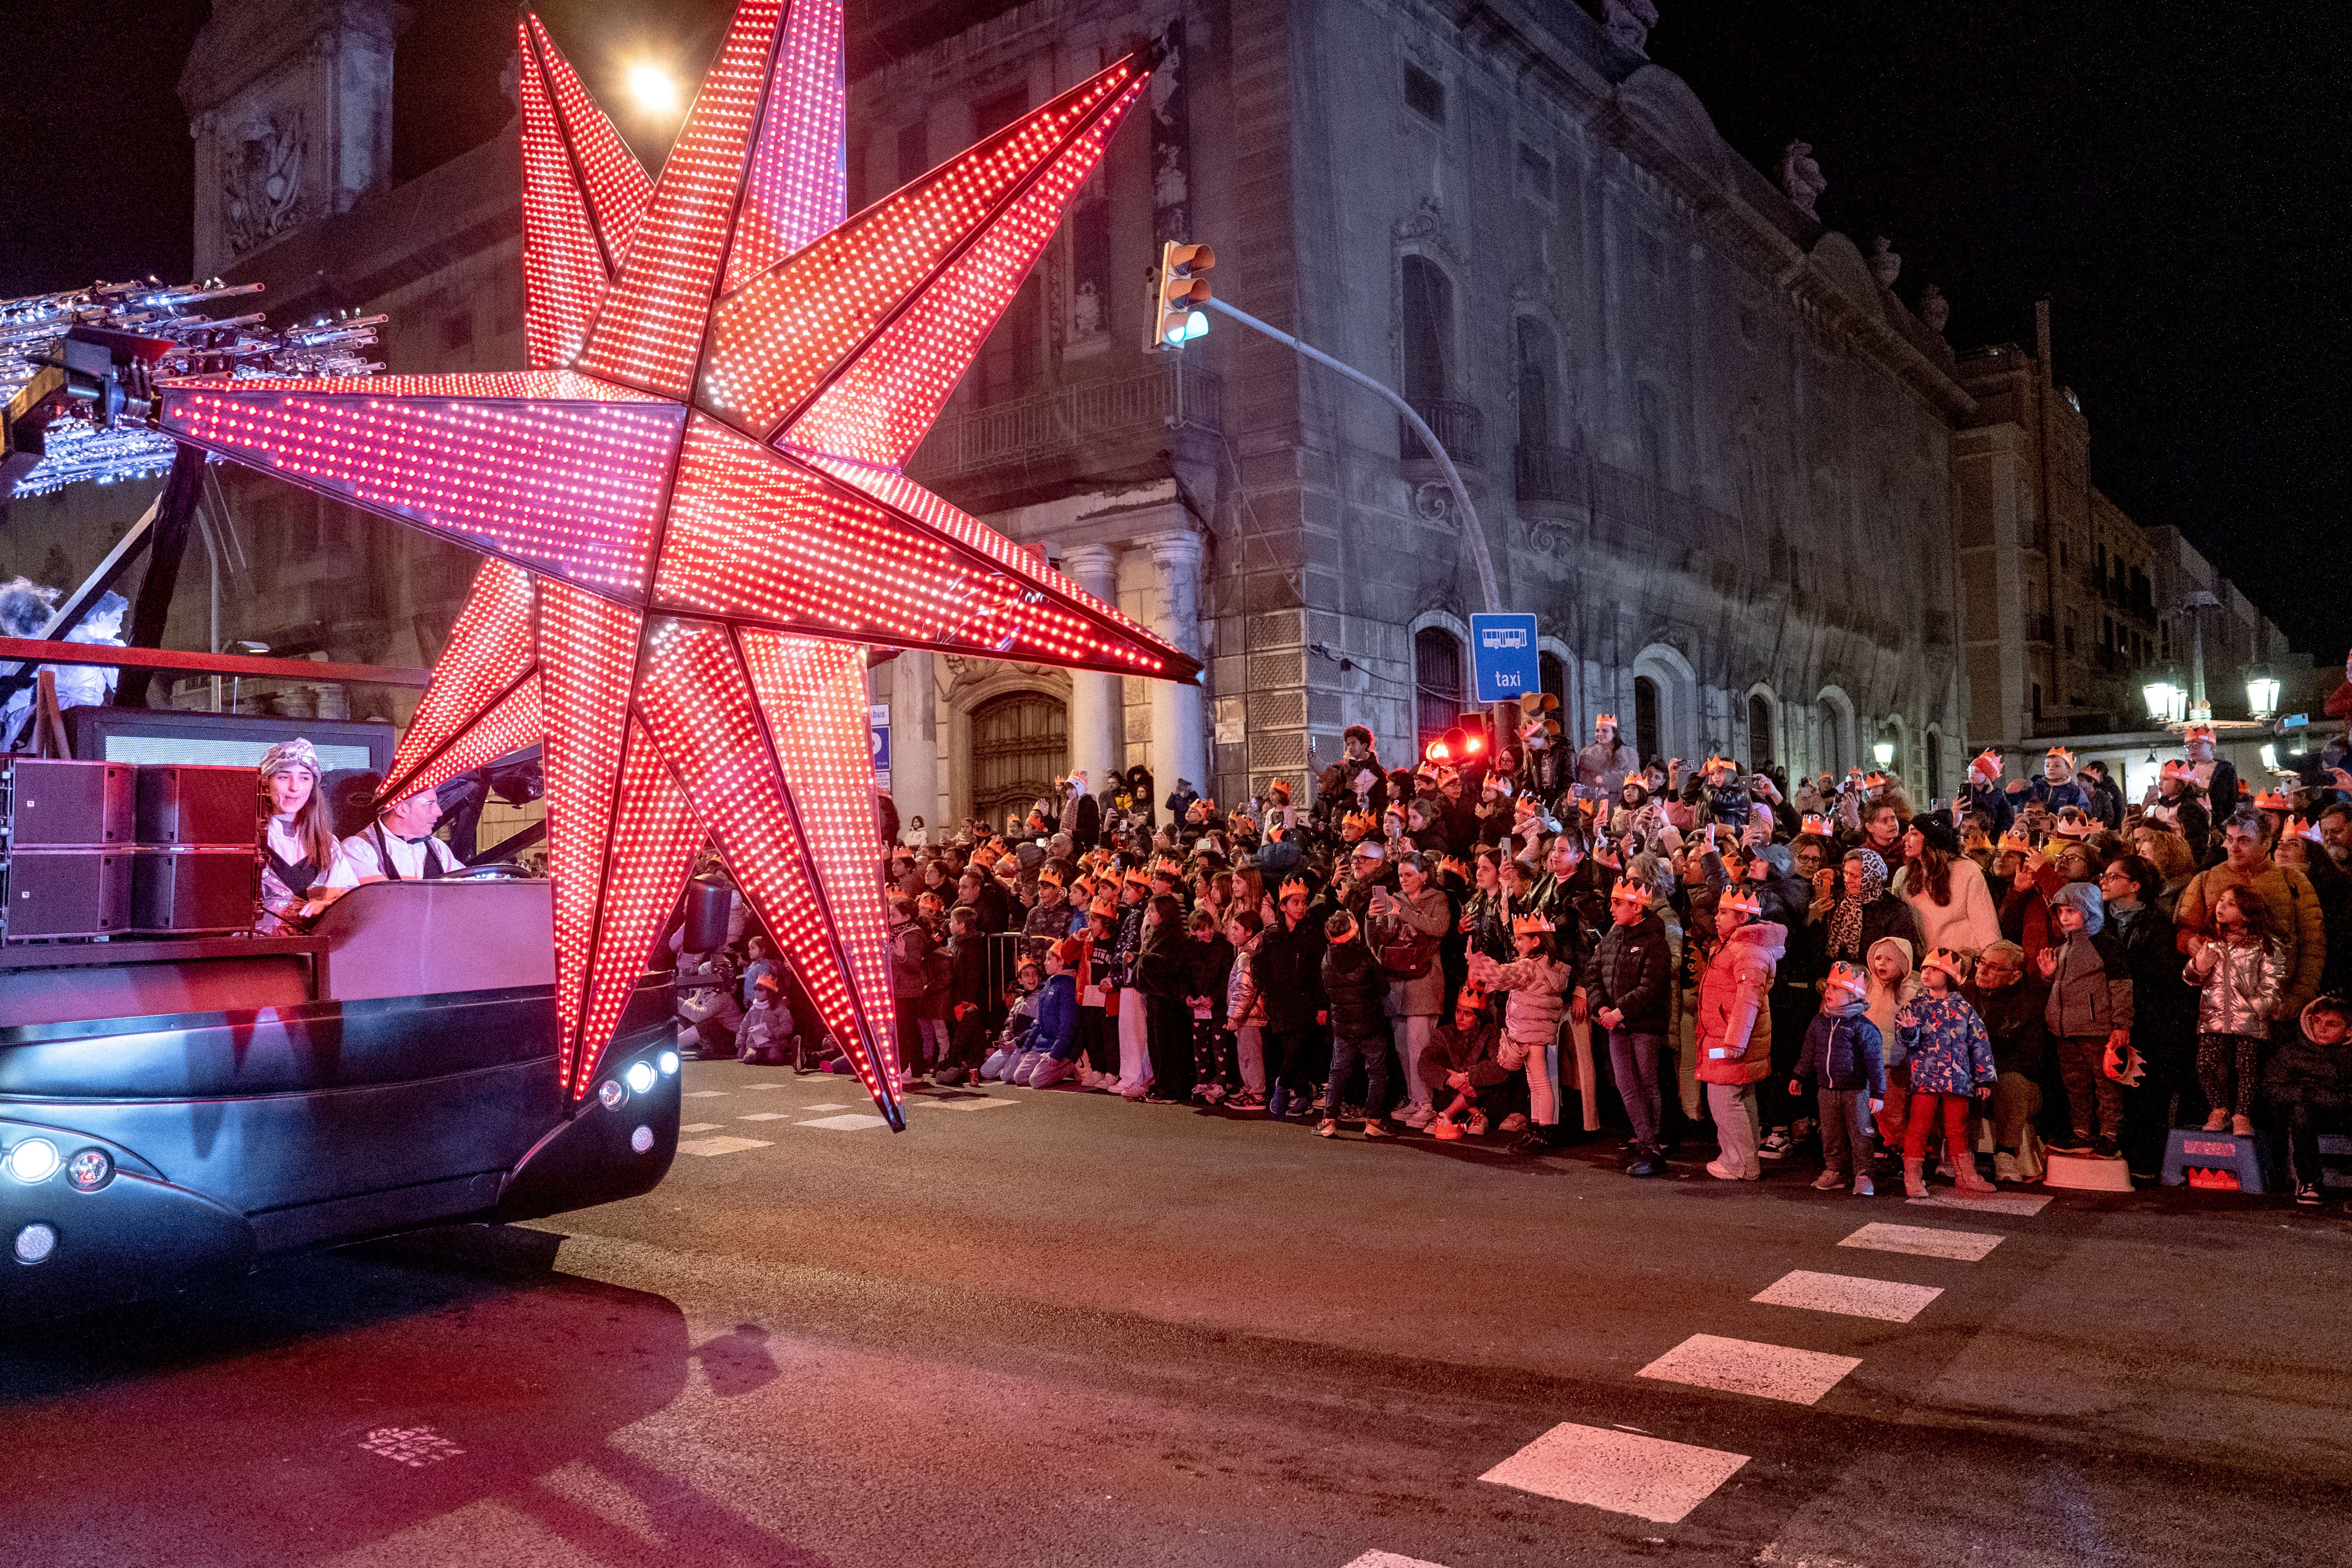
(1043, 1329)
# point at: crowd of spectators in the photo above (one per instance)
(1701, 957)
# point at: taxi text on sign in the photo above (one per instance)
(1503, 656)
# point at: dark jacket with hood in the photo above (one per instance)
(2091, 994)
(1288, 968)
(1842, 1050)
(1358, 990)
(2302, 1072)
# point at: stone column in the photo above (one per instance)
(1180, 743)
(914, 740)
(1097, 714)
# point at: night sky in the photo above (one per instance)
(2172, 177)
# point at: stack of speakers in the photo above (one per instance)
(103, 849)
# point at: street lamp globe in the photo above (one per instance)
(2161, 694)
(1885, 752)
(2261, 693)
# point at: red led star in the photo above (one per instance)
(696, 506)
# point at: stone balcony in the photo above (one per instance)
(1096, 429)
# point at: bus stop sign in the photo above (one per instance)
(1503, 656)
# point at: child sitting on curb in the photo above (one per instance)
(1842, 1053)
(1459, 1061)
(1951, 1066)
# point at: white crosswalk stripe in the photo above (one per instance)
(1925, 1241)
(1623, 1472)
(768, 1116)
(1848, 1295)
(722, 1145)
(1746, 1366)
(1391, 1560)
(852, 1123)
(2015, 1206)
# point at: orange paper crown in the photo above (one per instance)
(1949, 962)
(1741, 899)
(1627, 888)
(1608, 719)
(1293, 885)
(1818, 826)
(1844, 976)
(2063, 753)
(2271, 800)
(1530, 925)
(2196, 732)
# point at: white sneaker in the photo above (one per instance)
(1515, 1122)
(1721, 1171)
(1417, 1116)
(2005, 1168)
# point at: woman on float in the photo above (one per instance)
(298, 840)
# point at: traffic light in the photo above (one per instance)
(1447, 750)
(1478, 739)
(1180, 287)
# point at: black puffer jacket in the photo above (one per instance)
(1288, 968)
(1163, 968)
(2301, 1071)
(1632, 971)
(1353, 981)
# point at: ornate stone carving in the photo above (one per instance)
(1800, 177)
(1427, 227)
(1086, 312)
(261, 179)
(1884, 262)
(1629, 22)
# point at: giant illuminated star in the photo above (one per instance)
(696, 503)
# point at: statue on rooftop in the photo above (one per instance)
(1884, 264)
(1628, 22)
(1800, 177)
(1934, 309)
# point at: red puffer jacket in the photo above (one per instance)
(1735, 1026)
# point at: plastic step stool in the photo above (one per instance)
(2191, 1148)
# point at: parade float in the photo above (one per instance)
(695, 526)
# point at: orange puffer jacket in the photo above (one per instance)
(1735, 1024)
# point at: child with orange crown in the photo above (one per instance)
(1844, 1055)
(1951, 1067)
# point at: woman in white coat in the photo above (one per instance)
(1945, 890)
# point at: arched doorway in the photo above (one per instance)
(1020, 745)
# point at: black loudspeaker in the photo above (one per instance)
(708, 902)
(180, 804)
(59, 804)
(201, 889)
(68, 892)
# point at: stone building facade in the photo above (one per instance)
(1708, 444)
(2070, 607)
